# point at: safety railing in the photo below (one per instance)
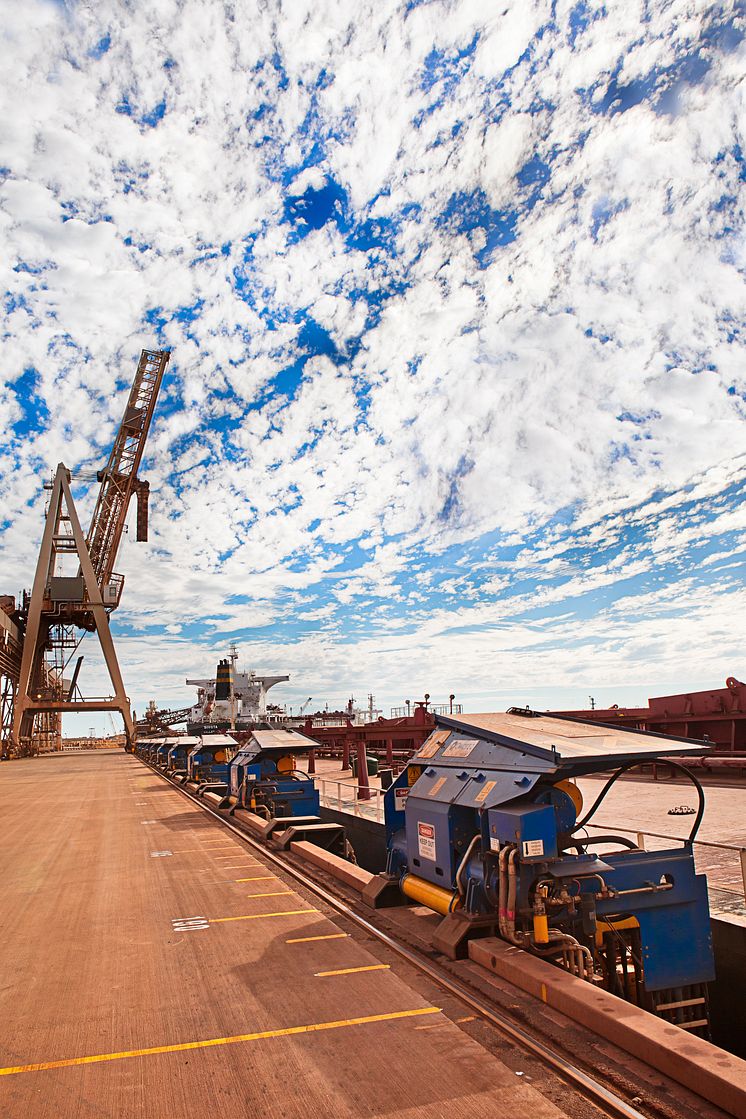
(699, 846)
(345, 796)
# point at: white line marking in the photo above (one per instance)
(189, 924)
(160, 854)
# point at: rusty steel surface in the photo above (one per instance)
(390, 740)
(154, 966)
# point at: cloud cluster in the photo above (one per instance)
(456, 305)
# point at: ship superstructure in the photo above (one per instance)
(233, 700)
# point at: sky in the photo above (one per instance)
(455, 298)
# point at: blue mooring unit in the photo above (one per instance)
(485, 825)
(209, 761)
(178, 754)
(264, 779)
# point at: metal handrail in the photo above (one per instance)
(357, 804)
(660, 835)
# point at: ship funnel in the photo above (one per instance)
(224, 681)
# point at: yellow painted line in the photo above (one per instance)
(352, 970)
(215, 847)
(199, 851)
(258, 916)
(305, 939)
(270, 894)
(238, 866)
(289, 1031)
(471, 1018)
(259, 878)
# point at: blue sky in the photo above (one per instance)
(456, 305)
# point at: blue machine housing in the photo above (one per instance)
(161, 754)
(264, 778)
(150, 747)
(488, 791)
(179, 750)
(210, 759)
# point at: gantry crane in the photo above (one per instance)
(40, 636)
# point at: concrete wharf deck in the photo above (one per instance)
(153, 965)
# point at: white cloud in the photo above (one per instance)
(475, 384)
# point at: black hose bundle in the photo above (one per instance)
(632, 765)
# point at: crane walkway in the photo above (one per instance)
(153, 965)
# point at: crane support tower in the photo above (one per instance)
(41, 637)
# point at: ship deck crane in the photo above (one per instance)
(58, 605)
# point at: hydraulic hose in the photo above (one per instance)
(593, 839)
(633, 765)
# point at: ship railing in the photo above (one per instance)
(724, 876)
(346, 796)
(433, 709)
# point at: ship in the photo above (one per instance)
(233, 700)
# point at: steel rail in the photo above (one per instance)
(593, 1089)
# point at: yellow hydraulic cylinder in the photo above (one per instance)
(541, 922)
(434, 897)
(541, 928)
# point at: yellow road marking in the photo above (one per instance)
(305, 939)
(215, 847)
(352, 970)
(270, 894)
(471, 1018)
(259, 878)
(289, 1031)
(238, 866)
(257, 916)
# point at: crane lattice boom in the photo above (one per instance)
(119, 480)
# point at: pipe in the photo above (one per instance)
(513, 936)
(503, 892)
(434, 897)
(462, 864)
(709, 763)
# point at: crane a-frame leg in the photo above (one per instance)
(34, 694)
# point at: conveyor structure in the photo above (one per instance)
(265, 777)
(259, 782)
(208, 762)
(486, 827)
